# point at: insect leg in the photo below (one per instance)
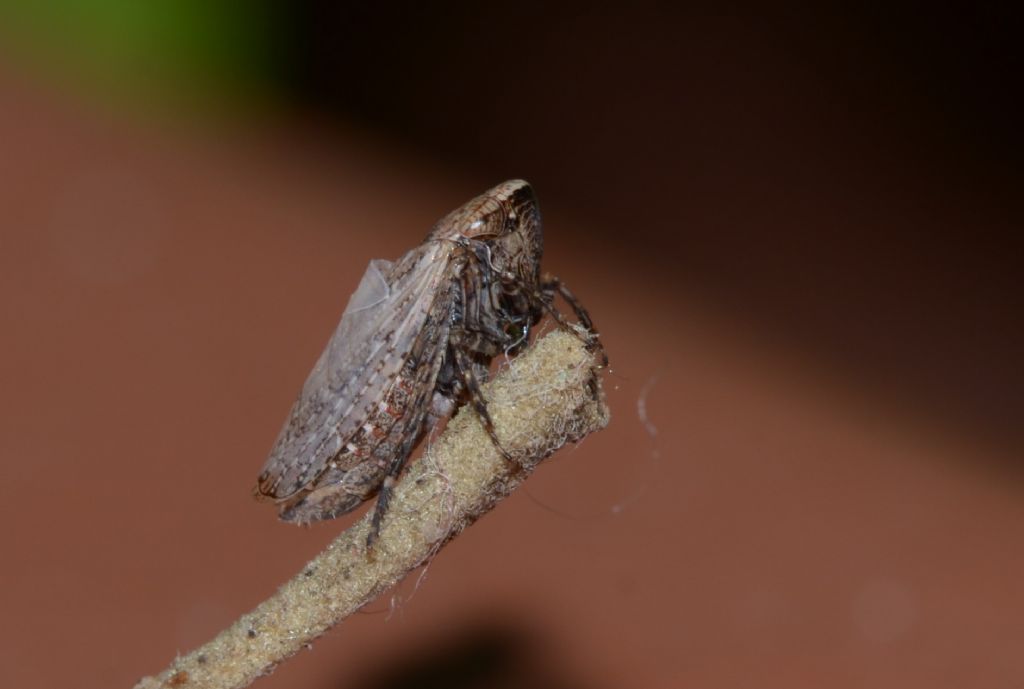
(392, 470)
(465, 369)
(549, 286)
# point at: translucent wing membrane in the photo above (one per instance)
(371, 344)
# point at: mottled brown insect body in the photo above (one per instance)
(416, 338)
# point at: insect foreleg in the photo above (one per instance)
(549, 286)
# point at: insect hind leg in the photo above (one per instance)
(387, 486)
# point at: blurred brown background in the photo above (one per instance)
(795, 230)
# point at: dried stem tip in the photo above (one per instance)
(548, 396)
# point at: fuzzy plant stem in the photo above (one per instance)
(548, 396)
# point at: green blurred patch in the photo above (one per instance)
(210, 51)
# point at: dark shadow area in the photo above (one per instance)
(476, 656)
(843, 178)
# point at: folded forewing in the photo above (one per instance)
(377, 332)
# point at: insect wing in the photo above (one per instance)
(377, 332)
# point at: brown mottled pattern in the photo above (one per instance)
(425, 325)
